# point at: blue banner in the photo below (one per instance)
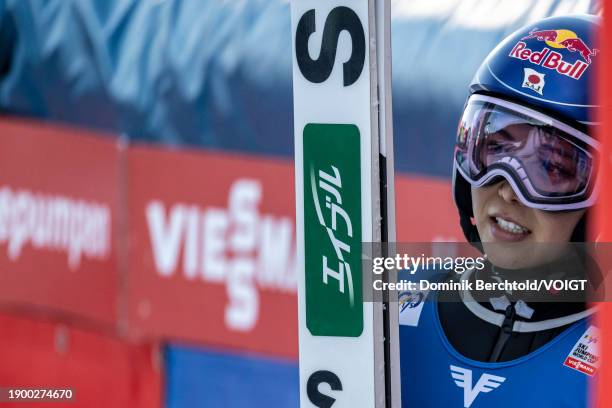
(204, 378)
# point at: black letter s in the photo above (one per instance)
(312, 388)
(339, 19)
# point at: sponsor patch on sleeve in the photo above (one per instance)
(584, 356)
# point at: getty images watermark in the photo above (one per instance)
(538, 272)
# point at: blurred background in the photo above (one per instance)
(147, 248)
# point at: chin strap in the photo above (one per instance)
(462, 194)
(470, 231)
(579, 234)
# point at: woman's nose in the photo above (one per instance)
(506, 192)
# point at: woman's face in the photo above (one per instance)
(514, 235)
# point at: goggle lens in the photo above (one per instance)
(547, 161)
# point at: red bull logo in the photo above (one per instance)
(564, 39)
(548, 58)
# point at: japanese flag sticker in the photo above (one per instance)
(534, 80)
(584, 356)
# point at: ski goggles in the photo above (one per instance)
(550, 165)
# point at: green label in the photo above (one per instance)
(332, 230)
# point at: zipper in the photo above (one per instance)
(505, 333)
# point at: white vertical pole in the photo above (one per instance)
(337, 123)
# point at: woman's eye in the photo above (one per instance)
(493, 148)
(498, 146)
(554, 163)
(557, 170)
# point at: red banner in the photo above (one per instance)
(603, 214)
(58, 201)
(212, 249)
(100, 370)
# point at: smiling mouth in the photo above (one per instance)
(510, 226)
